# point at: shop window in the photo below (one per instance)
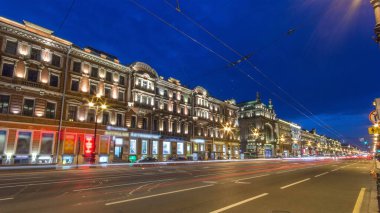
(166, 148)
(56, 60)
(144, 147)
(108, 76)
(11, 47)
(77, 66)
(47, 139)
(3, 140)
(50, 110)
(33, 75)
(35, 54)
(155, 148)
(94, 72)
(74, 85)
(23, 142)
(28, 107)
(132, 148)
(106, 117)
(93, 89)
(72, 113)
(4, 103)
(179, 148)
(133, 122)
(8, 70)
(121, 80)
(53, 80)
(145, 123)
(119, 120)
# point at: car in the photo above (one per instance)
(147, 160)
(179, 158)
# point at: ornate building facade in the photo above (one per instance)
(61, 103)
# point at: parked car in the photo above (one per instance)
(178, 158)
(147, 160)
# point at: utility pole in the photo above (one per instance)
(376, 8)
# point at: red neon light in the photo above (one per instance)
(88, 145)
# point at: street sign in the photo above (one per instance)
(373, 130)
(373, 117)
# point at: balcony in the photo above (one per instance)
(152, 91)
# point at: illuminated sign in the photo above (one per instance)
(116, 133)
(198, 140)
(115, 128)
(89, 145)
(144, 135)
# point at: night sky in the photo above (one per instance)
(328, 61)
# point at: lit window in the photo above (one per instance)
(28, 107)
(50, 110)
(4, 104)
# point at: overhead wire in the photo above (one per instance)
(66, 16)
(289, 32)
(223, 58)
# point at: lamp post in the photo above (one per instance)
(99, 105)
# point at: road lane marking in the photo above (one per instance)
(212, 182)
(156, 195)
(125, 184)
(8, 198)
(335, 170)
(321, 174)
(242, 182)
(257, 176)
(239, 203)
(292, 184)
(359, 201)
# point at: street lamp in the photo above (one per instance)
(256, 134)
(98, 105)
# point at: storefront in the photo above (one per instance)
(142, 145)
(198, 149)
(113, 146)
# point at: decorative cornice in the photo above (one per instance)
(94, 58)
(33, 37)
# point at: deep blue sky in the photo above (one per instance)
(330, 63)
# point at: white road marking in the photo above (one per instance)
(8, 198)
(212, 182)
(125, 184)
(335, 170)
(156, 195)
(242, 182)
(250, 178)
(321, 174)
(292, 184)
(204, 175)
(239, 203)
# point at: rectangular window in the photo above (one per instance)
(179, 148)
(8, 70)
(50, 110)
(72, 113)
(121, 96)
(53, 80)
(133, 122)
(11, 47)
(166, 148)
(35, 54)
(23, 142)
(145, 123)
(91, 116)
(77, 66)
(188, 148)
(119, 120)
(155, 148)
(165, 124)
(132, 148)
(144, 147)
(28, 107)
(56, 60)
(105, 120)
(93, 89)
(121, 80)
(155, 125)
(47, 139)
(74, 85)
(108, 76)
(107, 92)
(3, 140)
(4, 103)
(33, 75)
(94, 72)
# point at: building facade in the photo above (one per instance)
(63, 104)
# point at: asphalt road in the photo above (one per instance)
(246, 186)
